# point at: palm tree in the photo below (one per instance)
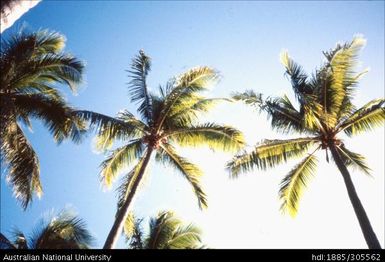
(64, 231)
(167, 119)
(31, 64)
(324, 111)
(166, 231)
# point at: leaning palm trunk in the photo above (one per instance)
(117, 227)
(366, 227)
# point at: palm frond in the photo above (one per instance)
(192, 110)
(65, 231)
(182, 88)
(189, 171)
(110, 128)
(342, 65)
(127, 181)
(129, 225)
(368, 117)
(58, 117)
(60, 68)
(294, 183)
(297, 76)
(138, 89)
(249, 97)
(270, 153)
(217, 137)
(284, 116)
(185, 237)
(22, 164)
(120, 158)
(136, 238)
(354, 160)
(161, 230)
(29, 58)
(106, 138)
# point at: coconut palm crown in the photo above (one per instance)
(167, 120)
(166, 231)
(323, 111)
(31, 65)
(63, 231)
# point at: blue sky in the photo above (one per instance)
(243, 41)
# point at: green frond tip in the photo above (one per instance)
(249, 97)
(293, 185)
(270, 153)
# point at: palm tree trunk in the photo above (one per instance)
(366, 227)
(117, 227)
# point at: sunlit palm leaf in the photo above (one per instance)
(342, 65)
(215, 136)
(105, 138)
(294, 183)
(366, 118)
(129, 225)
(193, 109)
(110, 128)
(270, 153)
(183, 87)
(185, 237)
(119, 159)
(189, 171)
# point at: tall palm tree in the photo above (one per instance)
(31, 64)
(325, 110)
(166, 231)
(167, 119)
(64, 231)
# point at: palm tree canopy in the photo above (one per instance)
(166, 231)
(64, 231)
(167, 119)
(31, 64)
(322, 110)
